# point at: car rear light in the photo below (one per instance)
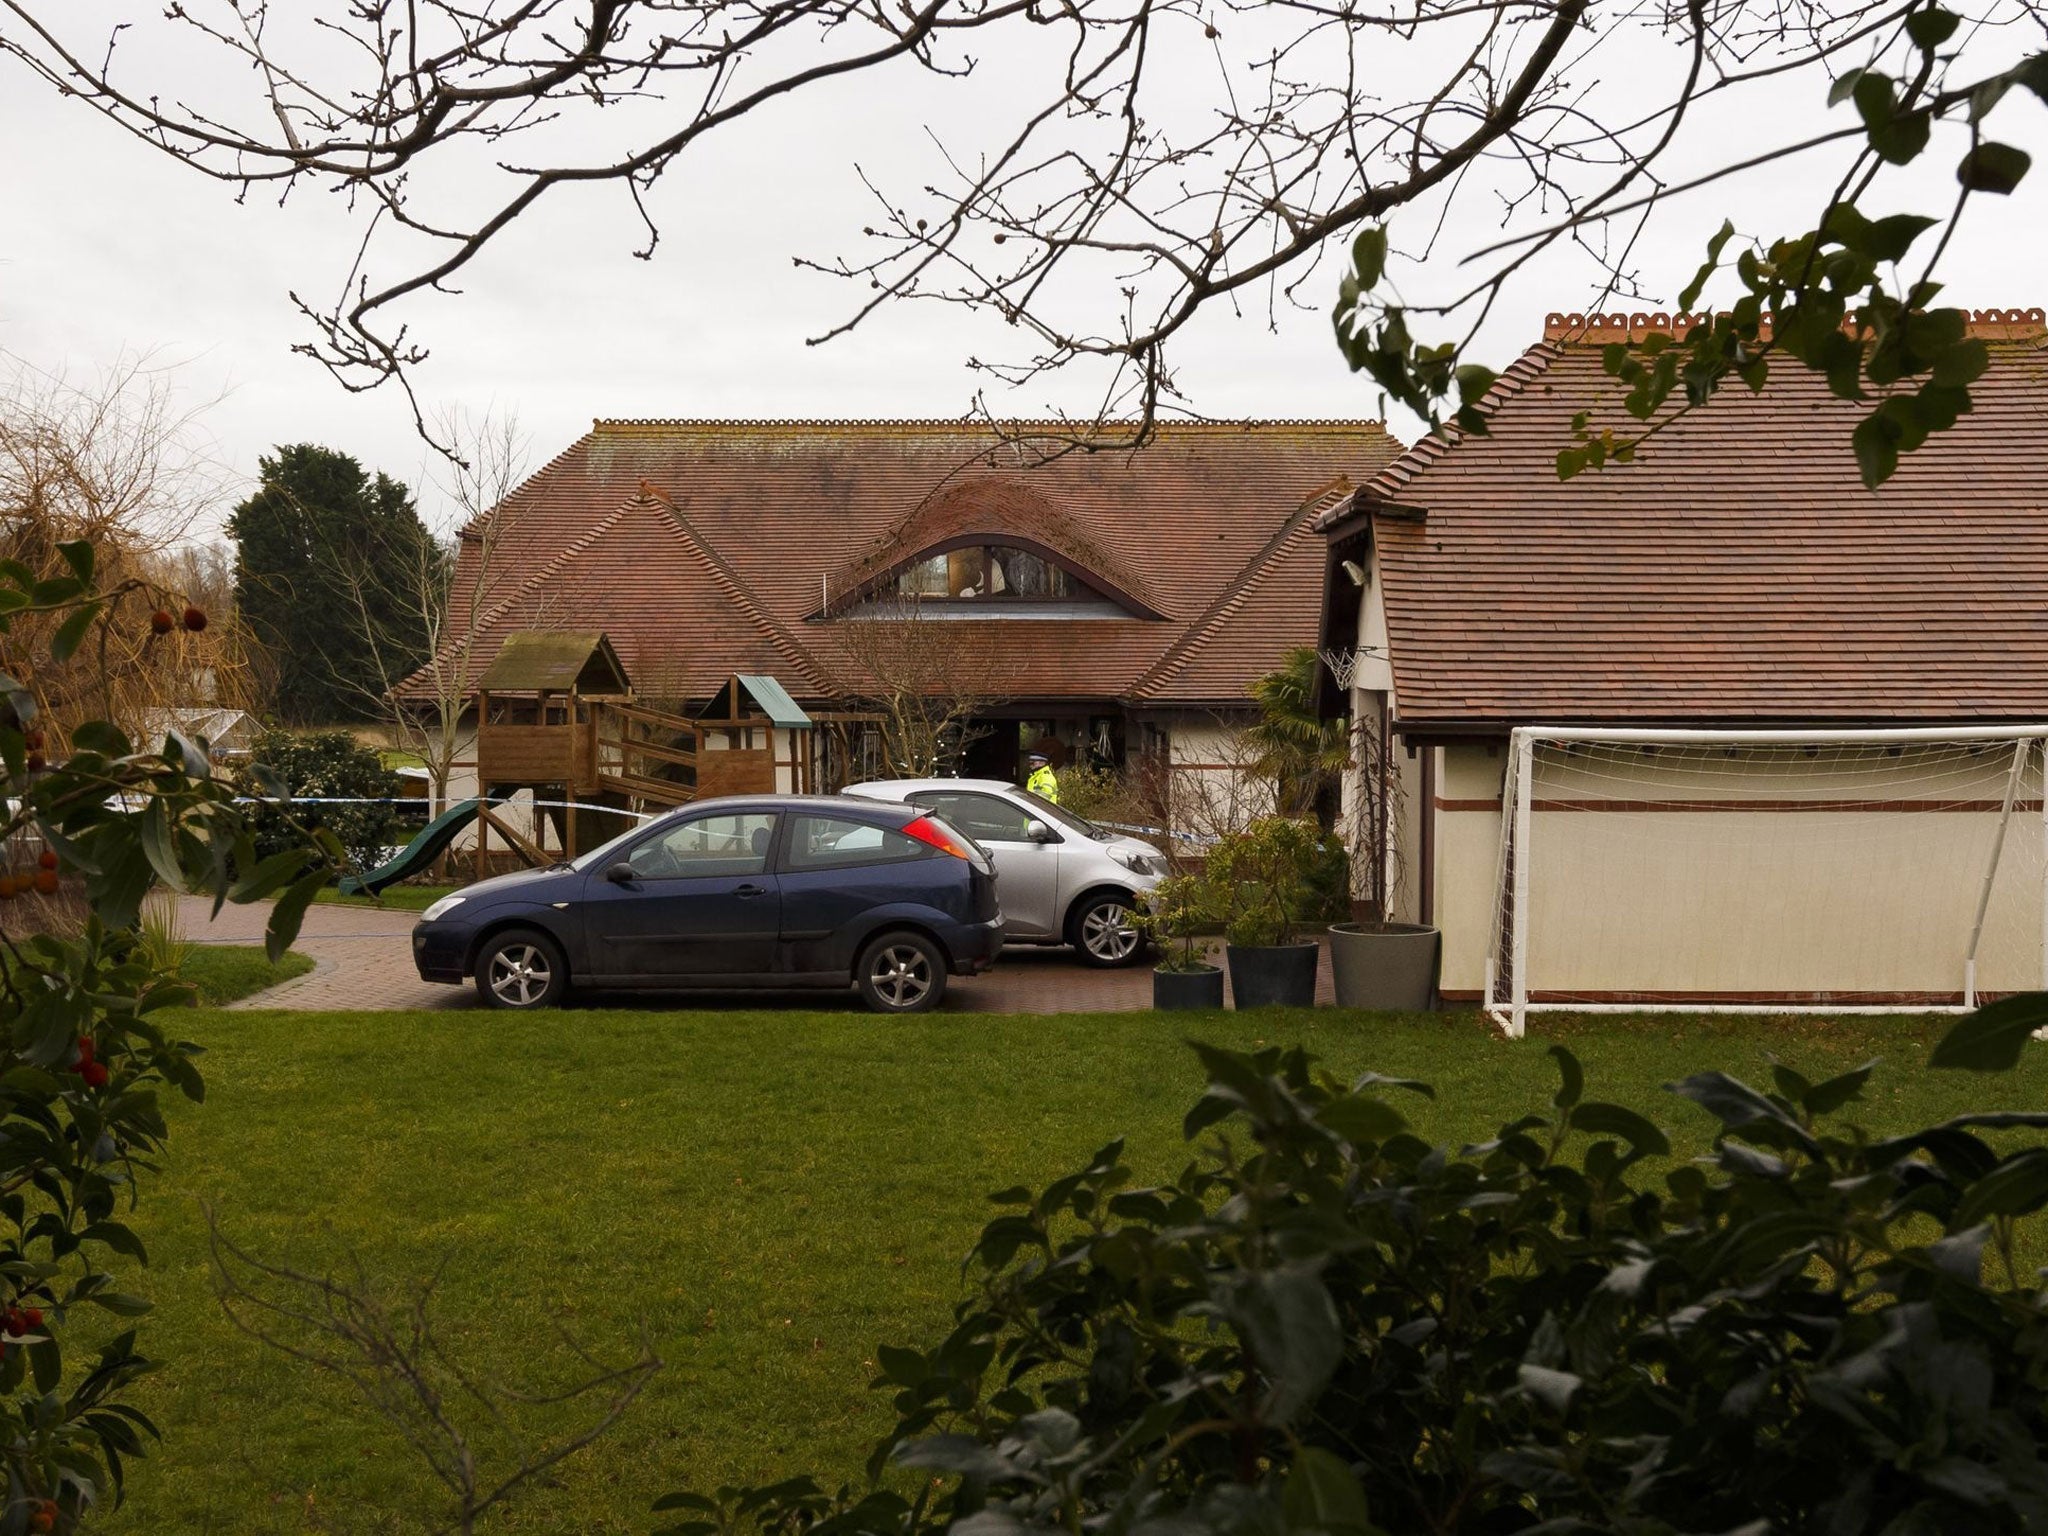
(935, 833)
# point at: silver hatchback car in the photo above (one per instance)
(1059, 878)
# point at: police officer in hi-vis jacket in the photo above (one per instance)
(1043, 782)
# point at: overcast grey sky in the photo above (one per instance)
(106, 246)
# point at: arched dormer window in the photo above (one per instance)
(992, 577)
(988, 573)
(989, 549)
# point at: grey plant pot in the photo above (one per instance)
(1272, 976)
(1390, 967)
(1188, 989)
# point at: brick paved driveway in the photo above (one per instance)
(362, 959)
(362, 956)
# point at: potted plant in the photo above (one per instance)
(1261, 880)
(1173, 915)
(1377, 963)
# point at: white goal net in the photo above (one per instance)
(1769, 871)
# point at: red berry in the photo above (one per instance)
(46, 881)
(36, 764)
(33, 739)
(47, 859)
(161, 621)
(94, 1074)
(195, 619)
(86, 1049)
(45, 1517)
(32, 1318)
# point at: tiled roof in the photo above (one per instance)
(1737, 570)
(704, 548)
(1259, 613)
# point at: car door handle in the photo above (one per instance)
(751, 890)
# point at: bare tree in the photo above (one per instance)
(116, 460)
(425, 590)
(391, 1353)
(925, 681)
(1230, 788)
(205, 571)
(1131, 163)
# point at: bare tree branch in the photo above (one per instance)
(1138, 162)
(420, 595)
(392, 1355)
(118, 461)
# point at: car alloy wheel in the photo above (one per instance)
(520, 974)
(900, 976)
(1107, 934)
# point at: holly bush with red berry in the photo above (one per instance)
(85, 1061)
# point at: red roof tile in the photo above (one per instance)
(705, 548)
(1735, 571)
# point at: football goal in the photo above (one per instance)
(1869, 871)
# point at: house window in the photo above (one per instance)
(987, 573)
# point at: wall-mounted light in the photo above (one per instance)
(1356, 572)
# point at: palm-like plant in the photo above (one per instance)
(1304, 753)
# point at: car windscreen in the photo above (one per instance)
(607, 854)
(1063, 818)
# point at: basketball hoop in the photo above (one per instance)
(1343, 665)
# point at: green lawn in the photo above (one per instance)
(225, 973)
(403, 898)
(772, 1192)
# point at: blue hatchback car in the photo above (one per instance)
(768, 891)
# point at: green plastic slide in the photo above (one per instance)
(416, 855)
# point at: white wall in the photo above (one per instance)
(1375, 672)
(1466, 853)
(1214, 789)
(1372, 699)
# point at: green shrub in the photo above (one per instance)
(1123, 796)
(1090, 791)
(321, 765)
(1174, 915)
(1327, 1325)
(1326, 893)
(162, 934)
(1263, 880)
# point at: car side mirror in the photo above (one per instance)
(1037, 831)
(621, 873)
